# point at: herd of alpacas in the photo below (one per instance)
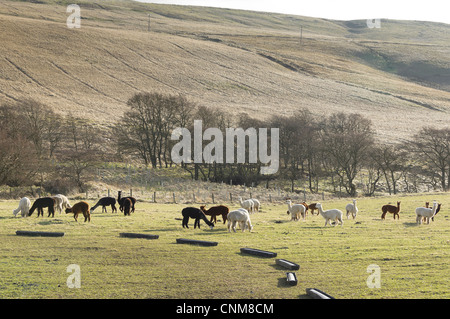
(240, 216)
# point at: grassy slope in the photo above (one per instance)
(236, 60)
(413, 259)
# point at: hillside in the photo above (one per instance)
(241, 61)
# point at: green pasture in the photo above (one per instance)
(414, 259)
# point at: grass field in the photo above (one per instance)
(414, 259)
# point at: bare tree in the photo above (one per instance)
(346, 140)
(431, 147)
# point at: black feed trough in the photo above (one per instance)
(196, 242)
(317, 294)
(291, 278)
(135, 235)
(39, 233)
(287, 264)
(257, 252)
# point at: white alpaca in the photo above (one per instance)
(428, 213)
(352, 209)
(330, 215)
(256, 204)
(24, 207)
(240, 216)
(248, 204)
(61, 202)
(296, 210)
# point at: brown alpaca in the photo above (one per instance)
(80, 207)
(391, 209)
(215, 211)
(312, 207)
(127, 205)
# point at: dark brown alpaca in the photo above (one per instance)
(312, 208)
(215, 211)
(391, 209)
(127, 206)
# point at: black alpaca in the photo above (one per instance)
(127, 204)
(195, 213)
(121, 200)
(106, 201)
(40, 203)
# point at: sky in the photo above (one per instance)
(429, 10)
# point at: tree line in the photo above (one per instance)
(338, 152)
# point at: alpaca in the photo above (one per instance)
(106, 201)
(240, 216)
(331, 214)
(40, 203)
(248, 204)
(80, 207)
(352, 209)
(197, 214)
(427, 213)
(391, 209)
(313, 207)
(127, 204)
(24, 207)
(256, 204)
(427, 204)
(121, 199)
(296, 210)
(62, 202)
(215, 211)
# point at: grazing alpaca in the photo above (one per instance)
(24, 207)
(80, 207)
(248, 204)
(106, 201)
(197, 214)
(391, 209)
(296, 210)
(425, 213)
(256, 204)
(240, 216)
(330, 215)
(312, 207)
(427, 204)
(61, 202)
(352, 209)
(437, 211)
(41, 203)
(121, 199)
(127, 204)
(215, 211)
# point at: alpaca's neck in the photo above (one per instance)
(320, 209)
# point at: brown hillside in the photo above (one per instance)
(240, 61)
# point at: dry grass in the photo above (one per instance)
(236, 60)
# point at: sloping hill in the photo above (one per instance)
(240, 61)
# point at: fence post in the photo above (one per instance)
(174, 200)
(193, 196)
(213, 198)
(231, 197)
(154, 197)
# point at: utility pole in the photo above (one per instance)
(301, 34)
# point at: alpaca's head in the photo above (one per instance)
(202, 208)
(69, 210)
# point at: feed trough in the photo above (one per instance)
(317, 294)
(291, 278)
(196, 242)
(39, 233)
(257, 252)
(287, 264)
(135, 235)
